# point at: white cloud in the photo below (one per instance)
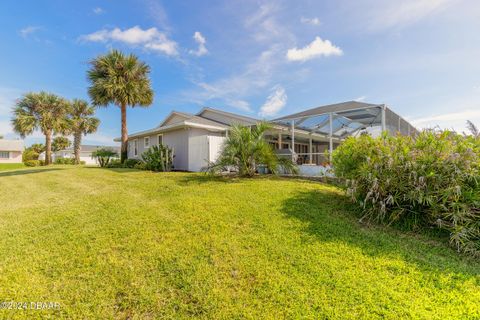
(265, 27)
(451, 120)
(151, 39)
(29, 30)
(98, 10)
(312, 21)
(202, 49)
(361, 98)
(275, 102)
(397, 14)
(316, 48)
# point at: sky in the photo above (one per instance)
(257, 58)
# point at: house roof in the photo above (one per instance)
(229, 114)
(189, 120)
(11, 145)
(91, 148)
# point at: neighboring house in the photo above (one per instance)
(85, 153)
(306, 136)
(11, 151)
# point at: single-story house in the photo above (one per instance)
(196, 139)
(85, 153)
(11, 151)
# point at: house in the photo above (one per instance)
(307, 136)
(11, 151)
(85, 153)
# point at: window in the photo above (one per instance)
(135, 149)
(160, 139)
(146, 142)
(4, 154)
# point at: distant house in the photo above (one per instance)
(11, 151)
(308, 137)
(85, 153)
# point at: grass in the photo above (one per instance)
(130, 244)
(11, 166)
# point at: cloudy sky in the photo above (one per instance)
(258, 58)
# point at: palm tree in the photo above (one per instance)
(122, 80)
(81, 122)
(246, 150)
(40, 111)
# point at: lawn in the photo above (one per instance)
(11, 166)
(132, 244)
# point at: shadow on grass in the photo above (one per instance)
(23, 172)
(201, 178)
(331, 217)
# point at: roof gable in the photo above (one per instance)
(175, 117)
(225, 117)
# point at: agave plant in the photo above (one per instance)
(245, 150)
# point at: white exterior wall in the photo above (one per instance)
(178, 141)
(193, 148)
(13, 157)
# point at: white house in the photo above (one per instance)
(11, 151)
(307, 136)
(85, 153)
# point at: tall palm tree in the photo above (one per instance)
(122, 80)
(246, 149)
(81, 122)
(40, 111)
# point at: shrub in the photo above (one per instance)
(65, 161)
(32, 163)
(130, 163)
(103, 156)
(158, 158)
(115, 163)
(29, 154)
(430, 180)
(140, 166)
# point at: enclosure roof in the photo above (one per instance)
(348, 118)
(335, 108)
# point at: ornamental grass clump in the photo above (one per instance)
(431, 180)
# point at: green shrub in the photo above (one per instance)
(65, 161)
(158, 158)
(29, 154)
(115, 163)
(32, 163)
(82, 162)
(140, 166)
(430, 180)
(130, 163)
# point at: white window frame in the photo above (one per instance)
(135, 147)
(146, 142)
(7, 153)
(159, 137)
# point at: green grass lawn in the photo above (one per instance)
(131, 244)
(11, 166)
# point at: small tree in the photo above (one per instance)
(246, 149)
(60, 143)
(103, 156)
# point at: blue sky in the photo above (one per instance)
(258, 58)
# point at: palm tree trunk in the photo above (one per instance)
(48, 147)
(124, 149)
(77, 140)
